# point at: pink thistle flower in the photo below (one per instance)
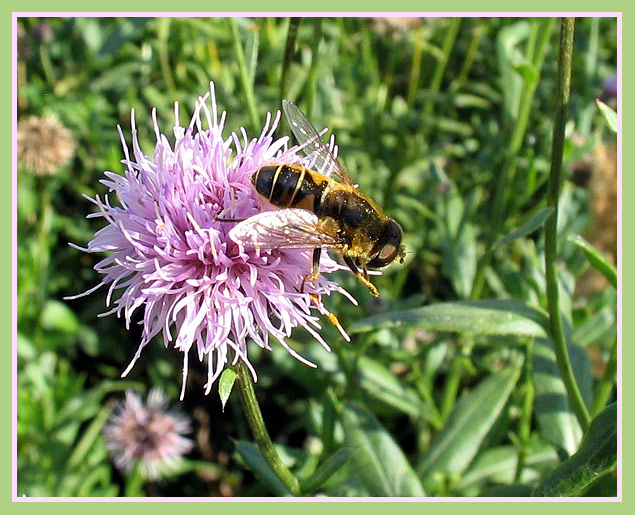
(171, 255)
(150, 434)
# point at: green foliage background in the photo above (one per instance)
(450, 385)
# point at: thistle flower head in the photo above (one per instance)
(149, 435)
(171, 257)
(44, 145)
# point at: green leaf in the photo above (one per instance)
(556, 420)
(498, 465)
(597, 456)
(581, 365)
(255, 461)
(508, 41)
(458, 240)
(596, 259)
(25, 348)
(535, 222)
(225, 385)
(377, 461)
(326, 470)
(57, 316)
(464, 100)
(381, 384)
(596, 328)
(491, 317)
(459, 259)
(609, 115)
(452, 450)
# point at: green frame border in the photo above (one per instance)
(311, 508)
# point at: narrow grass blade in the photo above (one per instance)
(325, 471)
(382, 386)
(535, 222)
(609, 115)
(596, 259)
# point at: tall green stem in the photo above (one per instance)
(524, 423)
(259, 430)
(47, 66)
(289, 50)
(43, 255)
(247, 84)
(477, 35)
(439, 71)
(535, 53)
(163, 33)
(452, 386)
(551, 241)
(520, 127)
(315, 55)
(415, 69)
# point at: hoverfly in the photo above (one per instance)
(318, 211)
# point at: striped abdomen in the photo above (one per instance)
(290, 186)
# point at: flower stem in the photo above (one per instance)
(551, 242)
(135, 482)
(259, 430)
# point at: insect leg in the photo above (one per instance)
(315, 268)
(219, 219)
(361, 276)
(332, 318)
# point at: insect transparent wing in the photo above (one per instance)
(325, 162)
(285, 228)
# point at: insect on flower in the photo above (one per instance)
(170, 257)
(319, 212)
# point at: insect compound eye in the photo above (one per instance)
(389, 246)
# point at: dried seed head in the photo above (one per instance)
(44, 144)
